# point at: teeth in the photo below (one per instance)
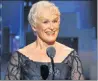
(49, 33)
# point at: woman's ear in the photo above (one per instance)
(34, 28)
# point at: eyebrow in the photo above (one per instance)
(53, 19)
(56, 18)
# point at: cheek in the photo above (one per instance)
(56, 26)
(39, 29)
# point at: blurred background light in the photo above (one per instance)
(17, 37)
(0, 18)
(30, 3)
(0, 5)
(25, 3)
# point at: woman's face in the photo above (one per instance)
(47, 26)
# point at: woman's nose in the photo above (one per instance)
(51, 25)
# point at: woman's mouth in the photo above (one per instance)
(50, 33)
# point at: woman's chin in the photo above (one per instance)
(50, 42)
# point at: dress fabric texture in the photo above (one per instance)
(21, 67)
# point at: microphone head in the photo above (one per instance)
(51, 52)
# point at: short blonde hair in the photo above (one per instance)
(33, 13)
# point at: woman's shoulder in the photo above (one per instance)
(65, 48)
(65, 51)
(22, 53)
(26, 50)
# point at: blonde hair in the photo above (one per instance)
(33, 13)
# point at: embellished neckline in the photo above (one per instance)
(43, 62)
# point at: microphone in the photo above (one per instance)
(44, 71)
(51, 53)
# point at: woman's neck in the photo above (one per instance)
(43, 45)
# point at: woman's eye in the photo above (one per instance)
(45, 22)
(55, 21)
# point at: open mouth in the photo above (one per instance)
(50, 33)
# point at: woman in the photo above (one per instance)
(32, 61)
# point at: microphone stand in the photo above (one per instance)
(53, 72)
